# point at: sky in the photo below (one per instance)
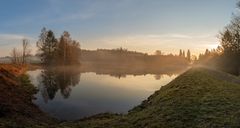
(139, 25)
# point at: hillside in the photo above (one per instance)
(200, 98)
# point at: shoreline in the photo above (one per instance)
(192, 94)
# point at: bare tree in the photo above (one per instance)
(13, 54)
(26, 51)
(16, 56)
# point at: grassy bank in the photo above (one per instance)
(200, 98)
(16, 107)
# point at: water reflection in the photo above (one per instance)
(53, 79)
(64, 96)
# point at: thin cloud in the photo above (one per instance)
(181, 36)
(178, 36)
(151, 42)
(9, 41)
(4, 44)
(13, 37)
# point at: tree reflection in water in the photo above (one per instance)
(61, 79)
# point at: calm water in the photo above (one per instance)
(71, 95)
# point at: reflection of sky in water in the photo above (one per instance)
(99, 93)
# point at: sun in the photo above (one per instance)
(213, 46)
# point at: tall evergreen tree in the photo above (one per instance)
(68, 50)
(183, 54)
(180, 53)
(188, 55)
(47, 45)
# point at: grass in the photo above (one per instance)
(26, 85)
(199, 98)
(196, 99)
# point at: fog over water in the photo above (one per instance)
(69, 94)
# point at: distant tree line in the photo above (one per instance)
(62, 51)
(121, 58)
(188, 56)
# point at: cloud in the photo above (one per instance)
(11, 37)
(54, 12)
(141, 42)
(9, 41)
(8, 38)
(178, 36)
(151, 42)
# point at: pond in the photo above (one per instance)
(72, 94)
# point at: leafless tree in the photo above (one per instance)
(16, 56)
(25, 50)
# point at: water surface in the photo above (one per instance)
(71, 95)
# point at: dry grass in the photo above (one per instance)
(16, 107)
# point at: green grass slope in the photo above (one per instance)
(199, 98)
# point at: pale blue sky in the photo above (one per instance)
(142, 25)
